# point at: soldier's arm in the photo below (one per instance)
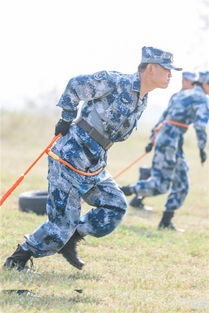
(162, 118)
(200, 123)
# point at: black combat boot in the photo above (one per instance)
(69, 251)
(128, 190)
(166, 223)
(18, 259)
(137, 203)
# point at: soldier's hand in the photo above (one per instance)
(203, 155)
(62, 127)
(128, 190)
(148, 148)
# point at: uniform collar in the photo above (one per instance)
(136, 86)
(136, 82)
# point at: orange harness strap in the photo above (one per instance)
(57, 158)
(167, 122)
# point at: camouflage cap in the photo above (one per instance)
(203, 77)
(157, 56)
(190, 76)
(206, 80)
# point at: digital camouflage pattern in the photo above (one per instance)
(158, 56)
(204, 77)
(169, 167)
(63, 209)
(113, 106)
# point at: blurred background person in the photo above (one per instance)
(188, 82)
(169, 168)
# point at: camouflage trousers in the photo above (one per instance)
(168, 173)
(64, 209)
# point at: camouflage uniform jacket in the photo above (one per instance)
(111, 104)
(111, 96)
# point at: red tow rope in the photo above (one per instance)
(20, 179)
(50, 153)
(131, 164)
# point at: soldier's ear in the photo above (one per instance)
(150, 68)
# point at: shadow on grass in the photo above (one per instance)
(53, 276)
(146, 213)
(31, 278)
(84, 276)
(33, 299)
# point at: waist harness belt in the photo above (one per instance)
(93, 133)
(57, 158)
(167, 122)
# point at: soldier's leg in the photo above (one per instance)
(179, 191)
(137, 201)
(163, 165)
(180, 186)
(63, 211)
(63, 216)
(110, 207)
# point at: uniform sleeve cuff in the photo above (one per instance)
(69, 116)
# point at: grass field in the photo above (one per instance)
(136, 269)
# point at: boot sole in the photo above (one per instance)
(79, 266)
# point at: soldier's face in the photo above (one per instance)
(161, 76)
(187, 84)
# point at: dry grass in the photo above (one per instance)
(136, 269)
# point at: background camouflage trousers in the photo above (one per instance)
(168, 173)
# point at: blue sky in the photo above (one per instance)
(45, 42)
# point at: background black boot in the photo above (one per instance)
(128, 190)
(136, 202)
(166, 223)
(18, 259)
(69, 251)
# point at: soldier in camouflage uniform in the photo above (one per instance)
(113, 103)
(188, 79)
(169, 167)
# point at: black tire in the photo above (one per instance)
(33, 201)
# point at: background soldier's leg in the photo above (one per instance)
(137, 201)
(180, 186)
(163, 164)
(177, 195)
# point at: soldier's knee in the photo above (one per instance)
(123, 205)
(120, 202)
(164, 187)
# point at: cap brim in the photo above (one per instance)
(171, 67)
